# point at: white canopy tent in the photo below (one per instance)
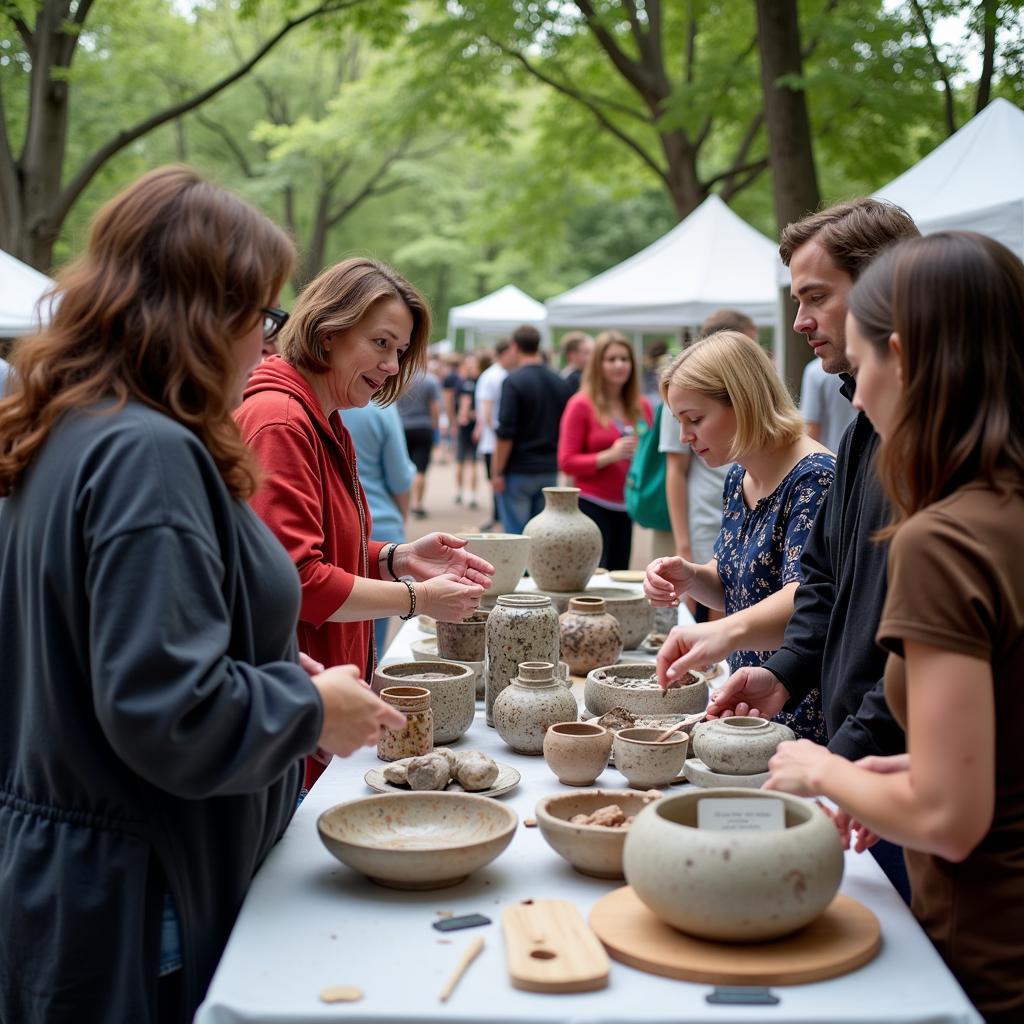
(501, 312)
(973, 181)
(711, 260)
(21, 288)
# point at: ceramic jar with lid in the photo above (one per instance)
(520, 627)
(591, 635)
(417, 738)
(565, 544)
(741, 745)
(535, 700)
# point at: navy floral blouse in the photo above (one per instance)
(758, 554)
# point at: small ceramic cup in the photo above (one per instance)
(464, 640)
(645, 763)
(577, 752)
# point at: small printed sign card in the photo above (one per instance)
(726, 814)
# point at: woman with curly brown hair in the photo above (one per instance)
(155, 711)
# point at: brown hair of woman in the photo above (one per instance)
(592, 381)
(176, 270)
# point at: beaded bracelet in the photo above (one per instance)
(412, 601)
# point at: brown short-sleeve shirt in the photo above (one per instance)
(956, 582)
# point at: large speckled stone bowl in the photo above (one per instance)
(452, 692)
(732, 886)
(417, 840)
(633, 611)
(635, 687)
(507, 552)
(594, 850)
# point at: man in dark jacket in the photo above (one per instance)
(830, 639)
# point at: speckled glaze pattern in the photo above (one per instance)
(632, 610)
(417, 737)
(577, 752)
(733, 886)
(646, 763)
(742, 745)
(506, 552)
(521, 627)
(452, 690)
(635, 687)
(565, 545)
(465, 640)
(535, 700)
(591, 637)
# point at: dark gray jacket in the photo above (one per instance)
(152, 715)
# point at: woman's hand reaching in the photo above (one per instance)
(667, 580)
(439, 554)
(692, 647)
(449, 598)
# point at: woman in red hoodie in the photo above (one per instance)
(598, 437)
(358, 332)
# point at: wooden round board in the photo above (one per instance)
(844, 938)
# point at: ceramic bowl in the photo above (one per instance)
(577, 752)
(417, 840)
(506, 552)
(594, 850)
(733, 886)
(633, 611)
(740, 745)
(452, 692)
(645, 763)
(426, 650)
(635, 687)
(463, 641)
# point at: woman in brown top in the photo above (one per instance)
(936, 337)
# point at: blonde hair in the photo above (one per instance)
(339, 299)
(592, 381)
(732, 369)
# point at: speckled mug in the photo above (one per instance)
(417, 738)
(591, 635)
(521, 627)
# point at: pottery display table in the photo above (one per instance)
(309, 922)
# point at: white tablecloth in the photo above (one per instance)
(309, 922)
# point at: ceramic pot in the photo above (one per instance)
(465, 640)
(565, 545)
(417, 738)
(741, 745)
(733, 886)
(506, 552)
(629, 606)
(577, 752)
(590, 636)
(426, 650)
(535, 700)
(452, 690)
(645, 763)
(521, 627)
(635, 687)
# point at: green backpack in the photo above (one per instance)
(645, 483)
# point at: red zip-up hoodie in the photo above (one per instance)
(311, 499)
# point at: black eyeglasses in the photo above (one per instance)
(273, 321)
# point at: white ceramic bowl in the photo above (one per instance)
(417, 840)
(733, 886)
(506, 552)
(601, 693)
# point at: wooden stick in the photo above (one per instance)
(472, 952)
(692, 720)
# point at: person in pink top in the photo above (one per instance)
(598, 436)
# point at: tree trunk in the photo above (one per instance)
(684, 187)
(990, 16)
(795, 182)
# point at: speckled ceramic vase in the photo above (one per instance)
(535, 700)
(521, 627)
(417, 738)
(565, 544)
(591, 635)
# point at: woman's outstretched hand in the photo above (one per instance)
(667, 580)
(438, 554)
(450, 598)
(748, 691)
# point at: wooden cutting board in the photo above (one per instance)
(549, 948)
(844, 938)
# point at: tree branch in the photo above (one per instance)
(234, 146)
(124, 138)
(69, 44)
(943, 75)
(808, 51)
(691, 47)
(756, 169)
(25, 32)
(632, 71)
(990, 16)
(736, 171)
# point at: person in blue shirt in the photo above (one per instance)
(386, 473)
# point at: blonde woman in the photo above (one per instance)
(733, 408)
(598, 437)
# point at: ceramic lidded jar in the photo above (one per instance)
(464, 640)
(417, 738)
(565, 544)
(591, 635)
(741, 745)
(535, 700)
(520, 627)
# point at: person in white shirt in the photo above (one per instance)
(488, 401)
(824, 409)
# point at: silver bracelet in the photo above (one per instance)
(412, 601)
